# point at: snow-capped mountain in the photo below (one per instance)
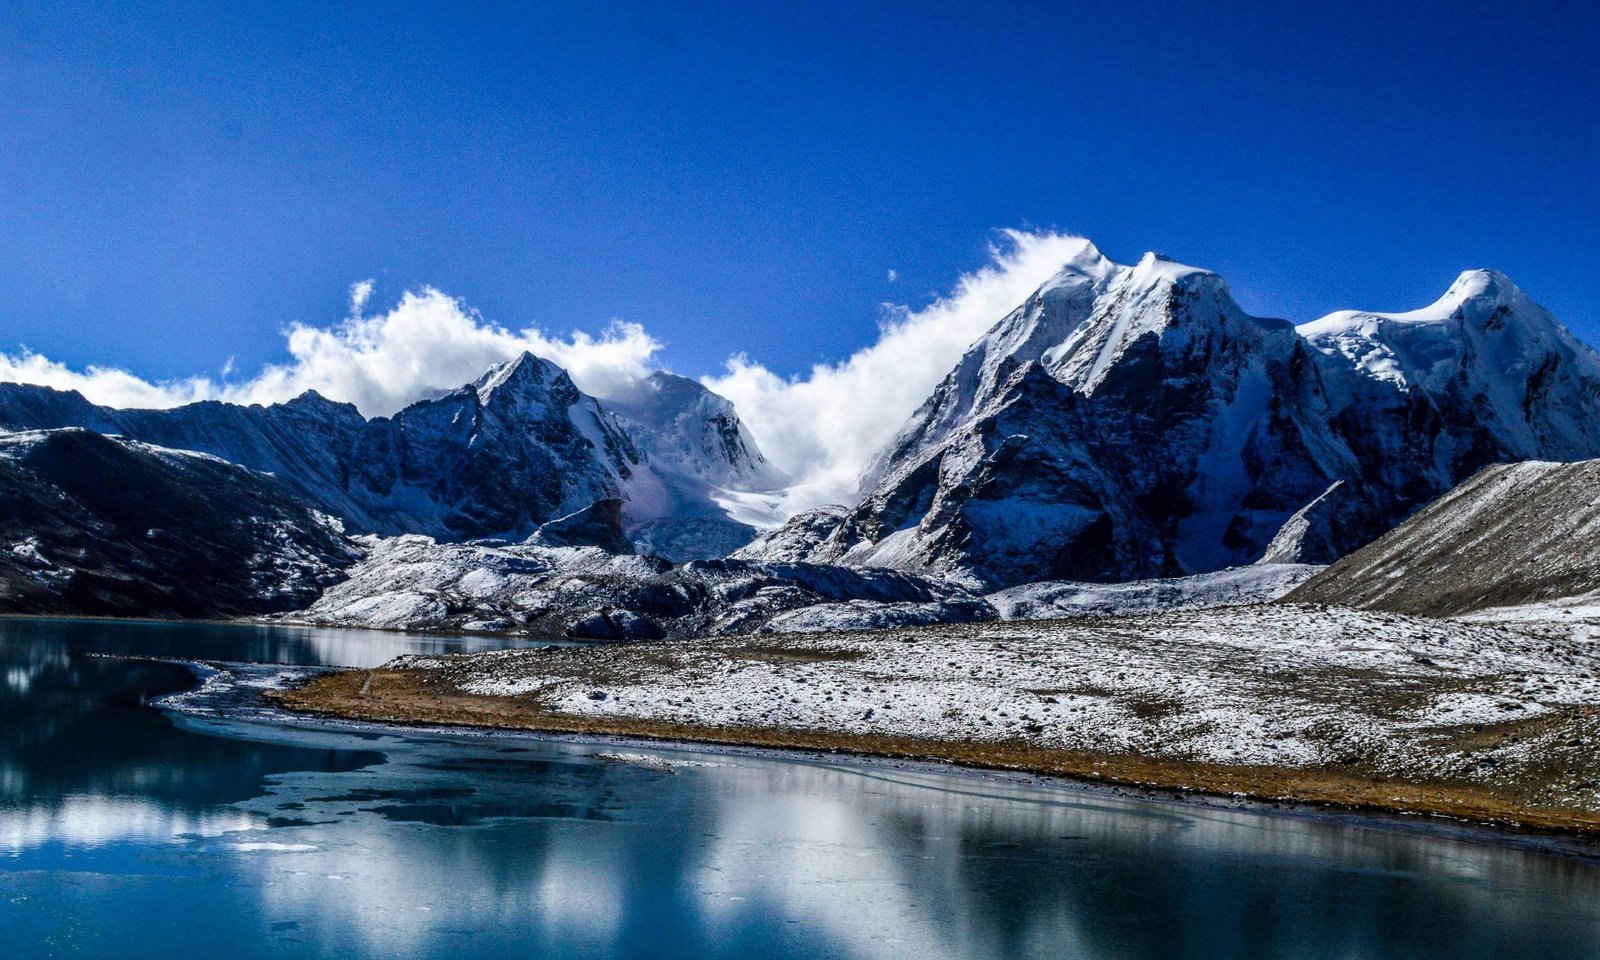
(1508, 381)
(699, 456)
(304, 441)
(1130, 422)
(496, 458)
(520, 446)
(686, 430)
(1125, 422)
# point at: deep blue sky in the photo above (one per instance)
(177, 182)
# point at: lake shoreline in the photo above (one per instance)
(407, 699)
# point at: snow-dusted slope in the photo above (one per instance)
(1519, 534)
(543, 588)
(797, 539)
(1390, 698)
(1236, 586)
(1134, 422)
(685, 429)
(416, 583)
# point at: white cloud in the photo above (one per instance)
(360, 293)
(427, 343)
(105, 385)
(431, 342)
(823, 428)
(893, 275)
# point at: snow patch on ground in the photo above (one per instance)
(1574, 619)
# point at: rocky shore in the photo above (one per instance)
(1277, 702)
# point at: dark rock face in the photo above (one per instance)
(615, 625)
(685, 538)
(597, 525)
(1320, 531)
(1127, 423)
(305, 442)
(1512, 534)
(98, 525)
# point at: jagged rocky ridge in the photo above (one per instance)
(103, 526)
(1514, 535)
(496, 458)
(1134, 422)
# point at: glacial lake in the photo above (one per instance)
(128, 830)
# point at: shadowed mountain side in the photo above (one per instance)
(102, 526)
(519, 447)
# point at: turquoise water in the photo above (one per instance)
(130, 831)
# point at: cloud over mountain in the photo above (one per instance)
(823, 427)
(820, 427)
(427, 343)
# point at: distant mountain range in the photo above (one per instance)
(1123, 423)
(496, 458)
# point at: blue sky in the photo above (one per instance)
(178, 183)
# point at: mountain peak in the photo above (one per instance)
(525, 369)
(690, 432)
(310, 403)
(1479, 288)
(1158, 267)
(1086, 265)
(1491, 285)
